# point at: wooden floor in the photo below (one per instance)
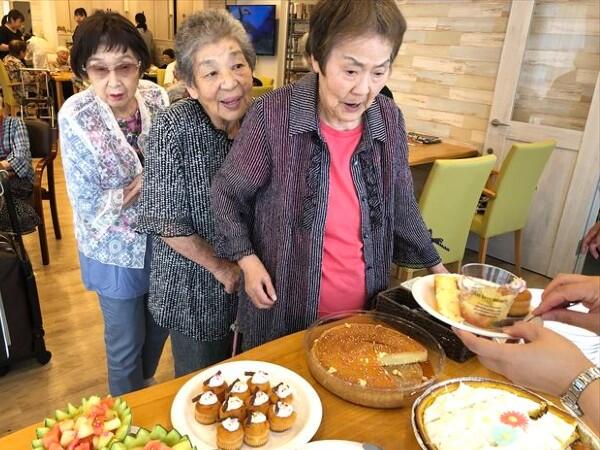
(73, 324)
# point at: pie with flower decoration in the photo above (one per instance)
(494, 415)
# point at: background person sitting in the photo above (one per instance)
(62, 62)
(15, 158)
(170, 76)
(14, 63)
(168, 56)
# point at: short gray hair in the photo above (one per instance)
(204, 28)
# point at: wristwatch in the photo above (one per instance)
(570, 399)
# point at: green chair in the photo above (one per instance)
(160, 77)
(448, 202)
(510, 195)
(267, 86)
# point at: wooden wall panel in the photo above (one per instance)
(444, 76)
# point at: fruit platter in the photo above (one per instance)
(94, 425)
(102, 424)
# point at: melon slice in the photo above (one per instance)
(149, 439)
(95, 424)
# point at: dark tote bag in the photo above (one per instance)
(21, 330)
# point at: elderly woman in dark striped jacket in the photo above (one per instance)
(315, 199)
(192, 290)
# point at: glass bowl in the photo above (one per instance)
(360, 357)
(487, 293)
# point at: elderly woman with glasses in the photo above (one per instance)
(104, 135)
(192, 290)
(315, 199)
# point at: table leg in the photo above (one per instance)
(60, 98)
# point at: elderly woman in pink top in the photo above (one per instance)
(315, 199)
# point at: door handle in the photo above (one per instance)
(497, 123)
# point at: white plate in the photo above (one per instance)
(424, 293)
(307, 405)
(333, 445)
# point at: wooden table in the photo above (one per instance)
(60, 78)
(423, 154)
(390, 429)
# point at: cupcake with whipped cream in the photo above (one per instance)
(232, 407)
(230, 434)
(216, 384)
(281, 416)
(256, 429)
(239, 389)
(260, 380)
(207, 407)
(258, 401)
(282, 393)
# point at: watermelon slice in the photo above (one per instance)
(94, 425)
(157, 439)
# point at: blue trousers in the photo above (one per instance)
(134, 343)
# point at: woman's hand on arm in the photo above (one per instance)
(566, 288)
(546, 362)
(257, 282)
(199, 251)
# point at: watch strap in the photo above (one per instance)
(570, 399)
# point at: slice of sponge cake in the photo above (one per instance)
(446, 296)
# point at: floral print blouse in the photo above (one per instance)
(99, 163)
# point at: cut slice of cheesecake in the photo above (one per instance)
(418, 354)
(446, 297)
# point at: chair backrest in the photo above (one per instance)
(266, 81)
(257, 91)
(449, 200)
(160, 77)
(516, 183)
(41, 138)
(7, 89)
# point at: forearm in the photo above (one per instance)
(4, 47)
(591, 406)
(195, 249)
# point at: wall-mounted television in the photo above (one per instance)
(259, 22)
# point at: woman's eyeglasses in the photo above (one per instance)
(122, 70)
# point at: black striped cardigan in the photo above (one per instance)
(270, 198)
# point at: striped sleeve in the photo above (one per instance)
(412, 243)
(20, 156)
(246, 169)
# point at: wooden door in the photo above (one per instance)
(547, 87)
(163, 23)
